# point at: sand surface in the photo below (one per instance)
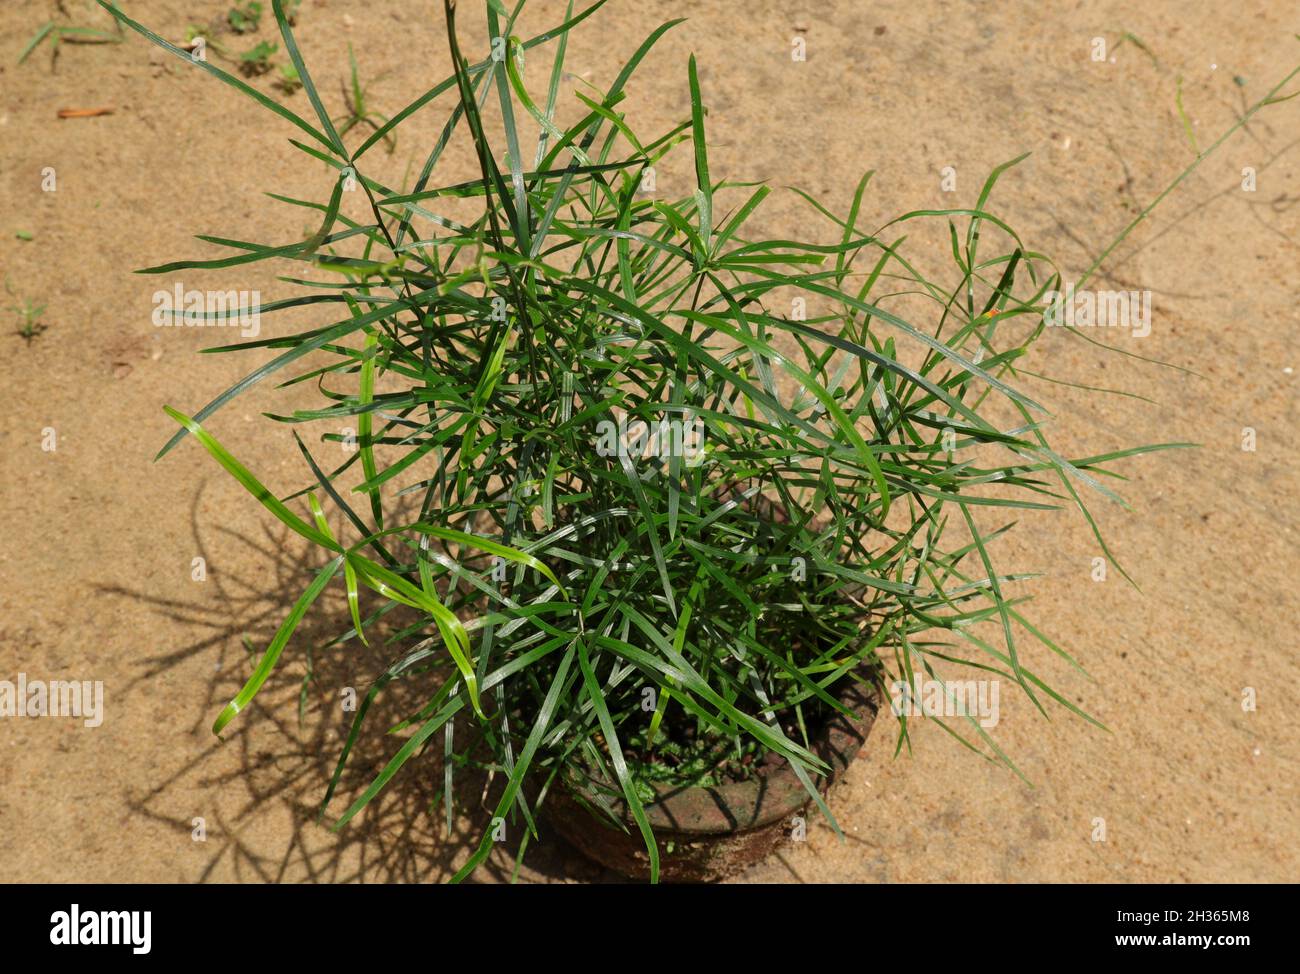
(98, 542)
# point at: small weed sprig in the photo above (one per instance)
(57, 34)
(257, 59)
(243, 19)
(288, 80)
(29, 315)
(357, 112)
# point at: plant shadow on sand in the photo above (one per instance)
(287, 744)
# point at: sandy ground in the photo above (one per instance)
(98, 541)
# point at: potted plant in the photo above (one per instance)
(666, 510)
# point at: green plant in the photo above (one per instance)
(288, 82)
(257, 59)
(59, 34)
(571, 608)
(28, 314)
(355, 99)
(244, 19)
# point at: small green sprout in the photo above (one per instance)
(357, 113)
(58, 34)
(289, 80)
(257, 59)
(29, 314)
(244, 20)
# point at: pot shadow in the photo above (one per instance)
(259, 789)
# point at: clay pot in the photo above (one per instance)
(708, 833)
